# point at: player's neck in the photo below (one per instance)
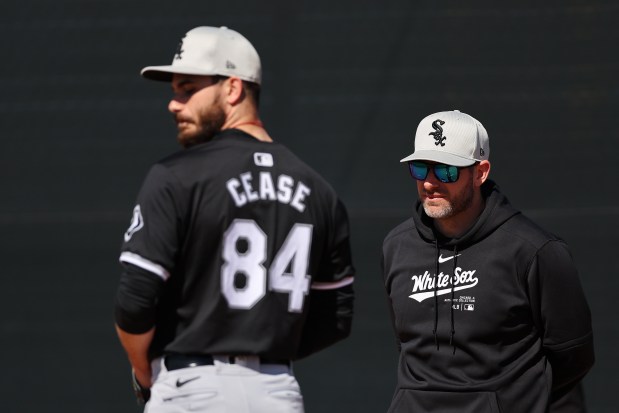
(256, 122)
(253, 127)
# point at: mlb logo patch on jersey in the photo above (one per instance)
(263, 159)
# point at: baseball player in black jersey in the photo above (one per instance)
(237, 259)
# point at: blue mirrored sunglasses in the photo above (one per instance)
(444, 173)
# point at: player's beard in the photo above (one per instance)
(459, 202)
(209, 124)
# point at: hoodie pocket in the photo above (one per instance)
(413, 401)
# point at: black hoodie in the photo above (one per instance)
(504, 327)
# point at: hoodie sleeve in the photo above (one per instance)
(562, 315)
(388, 296)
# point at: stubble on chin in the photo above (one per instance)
(184, 137)
(205, 131)
(437, 211)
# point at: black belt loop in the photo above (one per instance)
(181, 361)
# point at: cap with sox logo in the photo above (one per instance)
(451, 138)
(208, 51)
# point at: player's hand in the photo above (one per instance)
(142, 394)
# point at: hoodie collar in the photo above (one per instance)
(496, 211)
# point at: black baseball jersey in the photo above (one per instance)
(240, 231)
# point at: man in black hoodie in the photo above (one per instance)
(487, 307)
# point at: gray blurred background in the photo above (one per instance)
(345, 84)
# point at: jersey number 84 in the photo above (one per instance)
(293, 254)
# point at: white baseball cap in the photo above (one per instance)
(211, 51)
(451, 138)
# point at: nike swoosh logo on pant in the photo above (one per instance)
(180, 383)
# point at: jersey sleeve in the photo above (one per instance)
(562, 314)
(331, 301)
(154, 236)
(337, 268)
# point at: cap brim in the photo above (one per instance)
(164, 73)
(440, 157)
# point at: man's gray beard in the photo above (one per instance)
(444, 212)
(457, 205)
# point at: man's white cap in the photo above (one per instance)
(211, 51)
(451, 138)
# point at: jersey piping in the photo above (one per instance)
(332, 285)
(138, 261)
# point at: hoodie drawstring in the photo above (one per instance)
(438, 252)
(451, 280)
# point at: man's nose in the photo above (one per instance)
(175, 106)
(431, 181)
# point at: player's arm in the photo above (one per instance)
(136, 346)
(147, 254)
(329, 317)
(562, 315)
(331, 298)
(135, 308)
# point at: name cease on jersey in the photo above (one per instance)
(245, 189)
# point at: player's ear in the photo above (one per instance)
(482, 171)
(233, 90)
